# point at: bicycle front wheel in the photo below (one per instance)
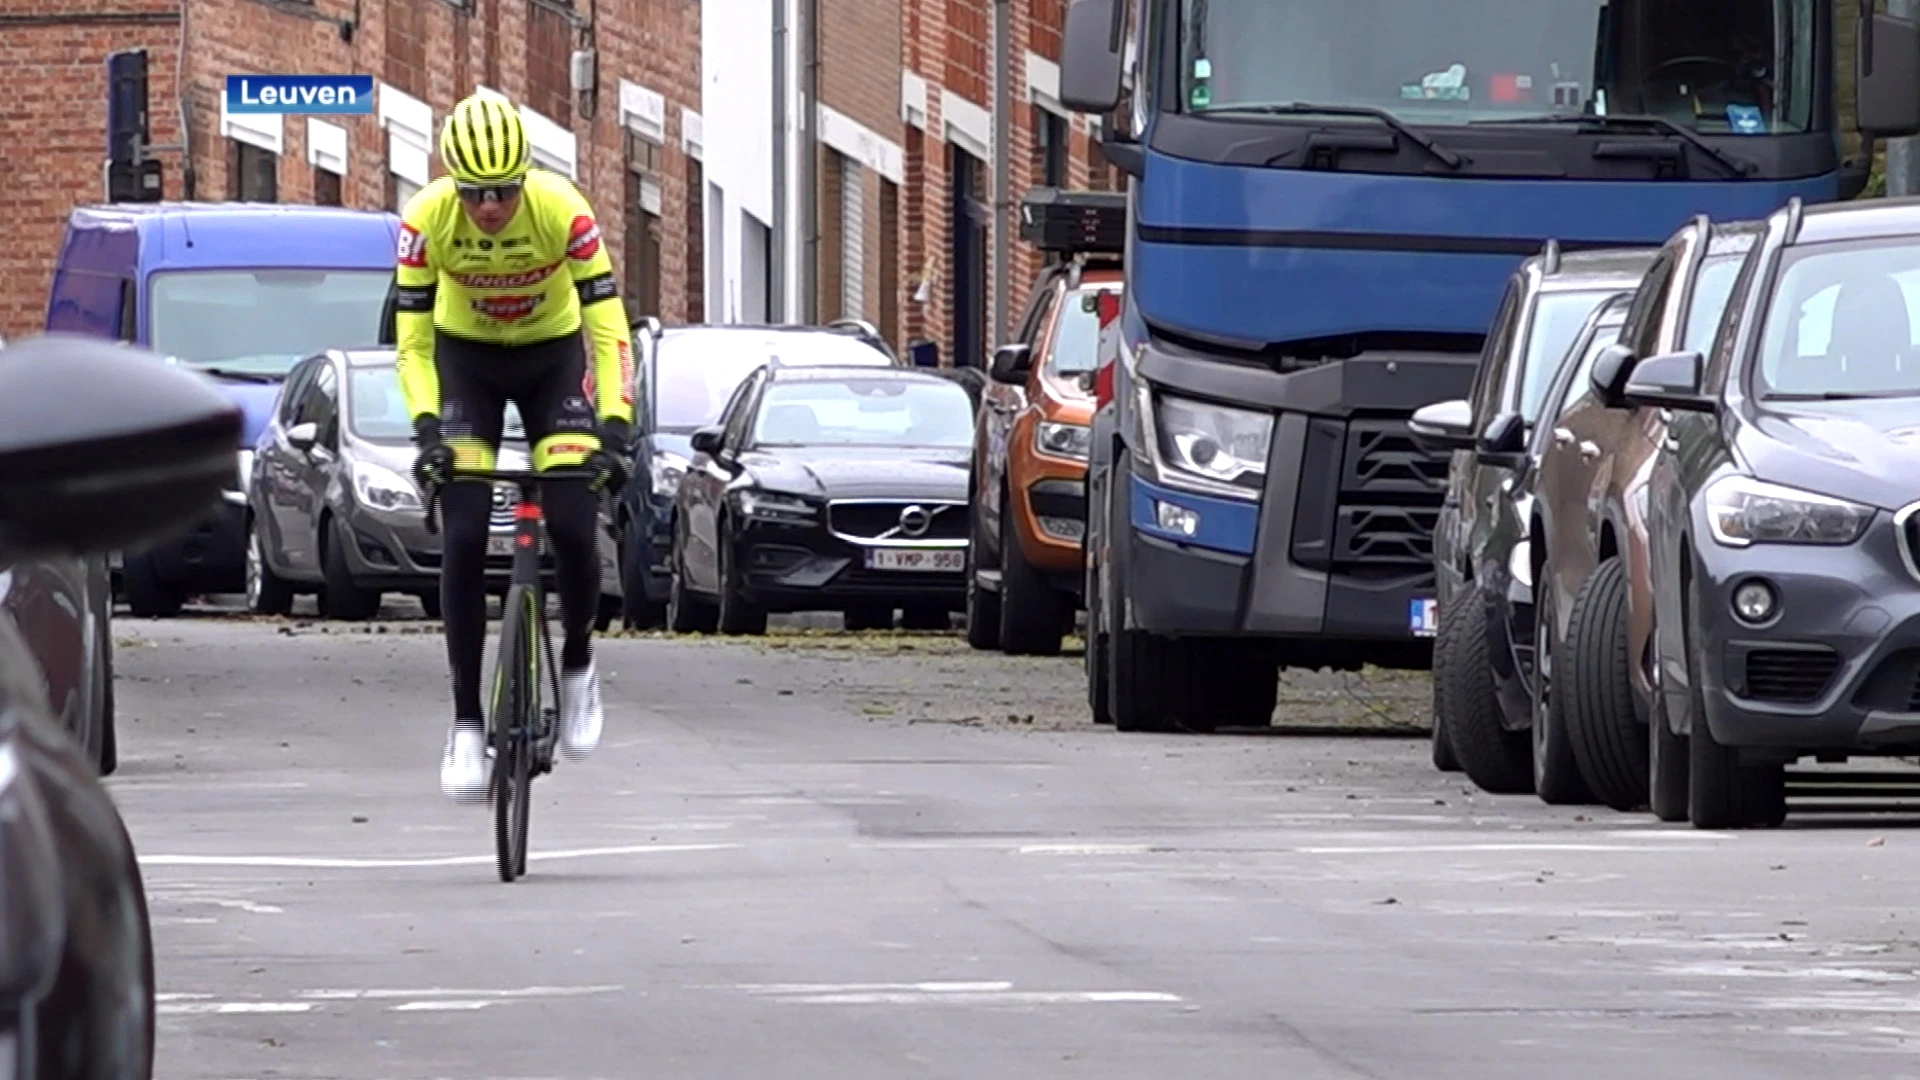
(516, 704)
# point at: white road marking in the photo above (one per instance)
(1418, 849)
(442, 992)
(293, 862)
(442, 1006)
(946, 993)
(1084, 849)
(203, 1008)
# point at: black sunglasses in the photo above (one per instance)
(475, 193)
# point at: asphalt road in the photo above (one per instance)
(817, 860)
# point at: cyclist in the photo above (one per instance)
(503, 289)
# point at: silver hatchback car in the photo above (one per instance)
(332, 507)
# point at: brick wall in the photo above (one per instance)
(432, 49)
(949, 44)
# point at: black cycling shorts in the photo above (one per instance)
(547, 381)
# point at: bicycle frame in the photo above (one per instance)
(523, 743)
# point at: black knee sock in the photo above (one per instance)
(573, 525)
(464, 509)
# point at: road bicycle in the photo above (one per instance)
(523, 719)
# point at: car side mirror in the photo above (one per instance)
(1668, 381)
(1443, 427)
(100, 454)
(1092, 53)
(303, 437)
(708, 440)
(1887, 77)
(1608, 376)
(1012, 364)
(1503, 445)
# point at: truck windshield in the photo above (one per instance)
(1076, 336)
(262, 322)
(1735, 67)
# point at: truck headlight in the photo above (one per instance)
(1062, 440)
(384, 489)
(1210, 448)
(667, 469)
(1742, 511)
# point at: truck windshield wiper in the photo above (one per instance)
(238, 376)
(1739, 166)
(1305, 108)
(1844, 395)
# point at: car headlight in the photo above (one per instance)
(1063, 440)
(1207, 447)
(1742, 510)
(384, 489)
(667, 469)
(764, 506)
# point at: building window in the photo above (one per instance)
(643, 228)
(696, 242)
(1049, 147)
(853, 240)
(326, 187)
(253, 174)
(550, 59)
(399, 191)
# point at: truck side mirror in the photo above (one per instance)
(1887, 77)
(1092, 53)
(1011, 364)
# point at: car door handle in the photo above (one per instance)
(1588, 449)
(1562, 436)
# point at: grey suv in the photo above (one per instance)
(1782, 514)
(1548, 300)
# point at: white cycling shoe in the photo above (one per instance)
(463, 768)
(581, 717)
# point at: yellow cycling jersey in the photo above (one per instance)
(538, 278)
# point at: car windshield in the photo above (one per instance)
(1710, 292)
(1842, 322)
(262, 322)
(377, 412)
(1736, 67)
(1076, 334)
(866, 412)
(696, 373)
(1557, 319)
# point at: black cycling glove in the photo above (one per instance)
(611, 463)
(434, 467)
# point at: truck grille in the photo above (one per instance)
(1377, 519)
(897, 520)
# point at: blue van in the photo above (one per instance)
(239, 292)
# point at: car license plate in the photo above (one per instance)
(500, 545)
(951, 560)
(1423, 617)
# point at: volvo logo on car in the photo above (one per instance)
(915, 521)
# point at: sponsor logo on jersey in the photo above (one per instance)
(412, 248)
(569, 448)
(506, 308)
(583, 239)
(519, 280)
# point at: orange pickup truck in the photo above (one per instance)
(1031, 435)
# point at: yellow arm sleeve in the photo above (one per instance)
(416, 281)
(603, 317)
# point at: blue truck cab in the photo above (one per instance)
(238, 292)
(1324, 204)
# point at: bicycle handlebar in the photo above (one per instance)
(523, 477)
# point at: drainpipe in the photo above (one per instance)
(809, 163)
(777, 273)
(1002, 170)
(1901, 178)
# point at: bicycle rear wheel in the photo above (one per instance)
(516, 704)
